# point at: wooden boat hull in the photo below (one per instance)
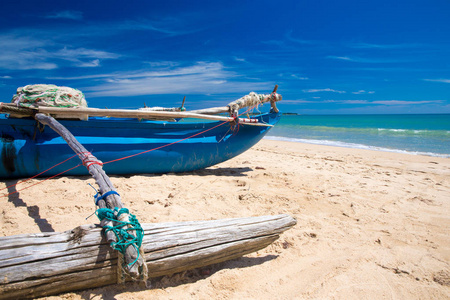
(27, 149)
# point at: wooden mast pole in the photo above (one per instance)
(105, 185)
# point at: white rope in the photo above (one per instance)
(252, 100)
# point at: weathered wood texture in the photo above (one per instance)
(34, 265)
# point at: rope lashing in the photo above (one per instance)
(121, 229)
(99, 197)
(88, 160)
(89, 163)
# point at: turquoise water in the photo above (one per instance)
(424, 134)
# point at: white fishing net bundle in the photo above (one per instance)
(35, 95)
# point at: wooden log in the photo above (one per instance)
(105, 185)
(43, 264)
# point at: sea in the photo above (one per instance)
(418, 134)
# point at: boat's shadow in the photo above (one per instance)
(220, 172)
(203, 172)
(45, 226)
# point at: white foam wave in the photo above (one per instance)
(353, 145)
(392, 129)
(415, 131)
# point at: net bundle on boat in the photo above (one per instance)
(35, 95)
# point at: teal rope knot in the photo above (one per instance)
(121, 229)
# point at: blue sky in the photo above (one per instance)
(328, 57)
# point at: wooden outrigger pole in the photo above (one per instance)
(147, 113)
(111, 199)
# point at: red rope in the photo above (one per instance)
(28, 179)
(89, 163)
(39, 182)
(163, 146)
(25, 180)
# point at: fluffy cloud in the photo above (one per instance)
(323, 90)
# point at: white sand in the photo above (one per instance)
(371, 225)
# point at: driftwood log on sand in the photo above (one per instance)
(33, 265)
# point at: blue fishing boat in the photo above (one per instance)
(126, 145)
(148, 140)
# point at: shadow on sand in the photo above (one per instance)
(33, 211)
(191, 276)
(203, 172)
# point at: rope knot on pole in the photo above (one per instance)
(128, 232)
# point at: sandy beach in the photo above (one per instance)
(370, 224)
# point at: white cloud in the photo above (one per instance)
(90, 64)
(366, 60)
(202, 77)
(340, 57)
(66, 14)
(323, 90)
(299, 77)
(36, 48)
(403, 102)
(381, 102)
(67, 53)
(21, 52)
(353, 101)
(438, 80)
(363, 92)
(299, 101)
(381, 46)
(162, 63)
(170, 26)
(81, 57)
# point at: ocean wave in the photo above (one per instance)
(353, 145)
(367, 130)
(413, 132)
